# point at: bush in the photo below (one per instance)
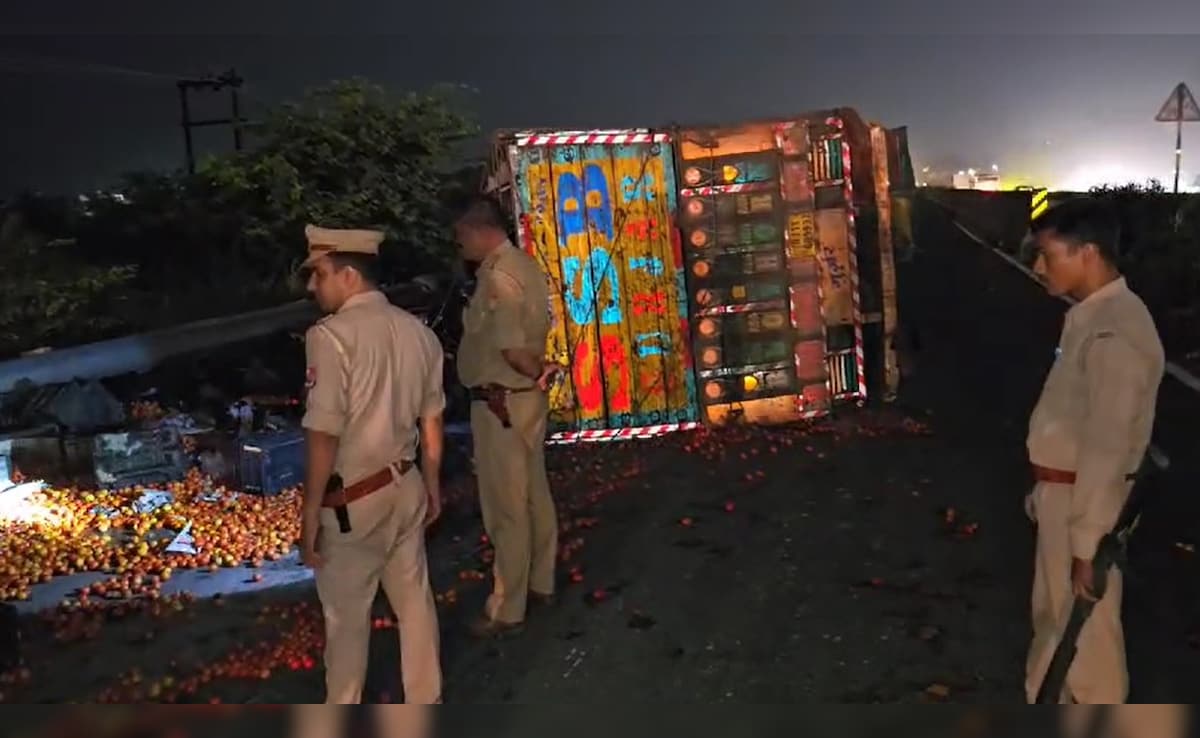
(1161, 253)
(228, 238)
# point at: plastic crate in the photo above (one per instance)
(269, 463)
(140, 457)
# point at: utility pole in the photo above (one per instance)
(229, 80)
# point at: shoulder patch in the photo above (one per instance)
(310, 378)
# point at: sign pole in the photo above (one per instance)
(1180, 108)
(1178, 136)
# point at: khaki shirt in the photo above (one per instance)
(373, 371)
(1096, 410)
(509, 310)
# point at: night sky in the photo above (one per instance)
(1060, 96)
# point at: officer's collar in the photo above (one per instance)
(495, 254)
(363, 298)
(1088, 304)
(1105, 292)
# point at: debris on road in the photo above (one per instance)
(640, 621)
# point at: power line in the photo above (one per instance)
(254, 93)
(75, 66)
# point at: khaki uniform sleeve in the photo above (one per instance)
(507, 300)
(325, 408)
(1117, 377)
(434, 400)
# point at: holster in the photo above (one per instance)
(343, 514)
(496, 398)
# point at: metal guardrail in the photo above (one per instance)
(142, 352)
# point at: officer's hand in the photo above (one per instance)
(433, 505)
(549, 372)
(1082, 580)
(309, 551)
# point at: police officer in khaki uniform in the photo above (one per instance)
(505, 326)
(1087, 435)
(374, 384)
(1125, 721)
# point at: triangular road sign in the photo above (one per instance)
(1179, 107)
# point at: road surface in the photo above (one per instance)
(881, 556)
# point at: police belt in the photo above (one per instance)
(485, 392)
(1059, 476)
(341, 496)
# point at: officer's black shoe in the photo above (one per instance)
(538, 600)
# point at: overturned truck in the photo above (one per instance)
(710, 274)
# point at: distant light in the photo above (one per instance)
(995, 167)
(961, 172)
(925, 170)
(971, 172)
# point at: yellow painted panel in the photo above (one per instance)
(802, 236)
(751, 139)
(672, 320)
(833, 259)
(607, 214)
(643, 228)
(767, 411)
(575, 258)
(540, 236)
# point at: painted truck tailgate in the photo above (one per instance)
(598, 212)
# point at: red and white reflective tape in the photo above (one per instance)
(576, 138)
(620, 434)
(856, 300)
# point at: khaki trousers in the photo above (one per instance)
(1098, 675)
(514, 497)
(391, 721)
(1128, 721)
(386, 546)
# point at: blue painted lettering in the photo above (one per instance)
(652, 344)
(650, 264)
(603, 270)
(570, 208)
(598, 199)
(639, 189)
(581, 302)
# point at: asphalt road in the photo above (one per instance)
(880, 557)
(863, 561)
